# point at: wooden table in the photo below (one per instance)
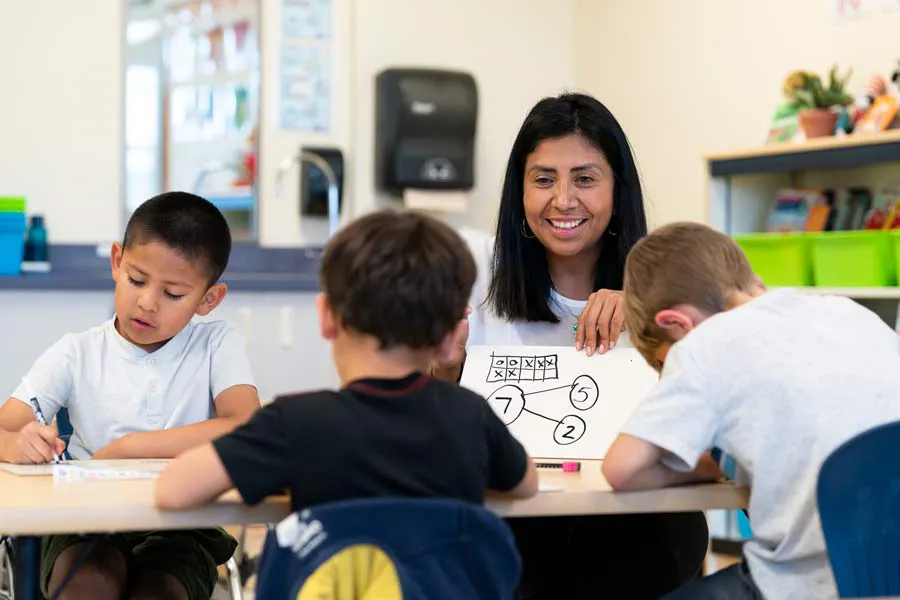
(588, 493)
(37, 505)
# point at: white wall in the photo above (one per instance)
(61, 113)
(61, 100)
(687, 78)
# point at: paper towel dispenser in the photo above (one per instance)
(425, 129)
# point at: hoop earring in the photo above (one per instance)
(609, 228)
(524, 228)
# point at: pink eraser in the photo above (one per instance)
(571, 467)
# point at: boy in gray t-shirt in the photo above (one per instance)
(776, 379)
(148, 383)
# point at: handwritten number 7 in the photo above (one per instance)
(508, 401)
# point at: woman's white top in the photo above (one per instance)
(486, 328)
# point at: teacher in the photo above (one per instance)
(571, 209)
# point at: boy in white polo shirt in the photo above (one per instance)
(776, 379)
(149, 383)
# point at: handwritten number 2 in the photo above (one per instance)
(568, 433)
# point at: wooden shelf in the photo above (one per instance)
(859, 293)
(816, 154)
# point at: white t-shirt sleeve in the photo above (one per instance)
(50, 378)
(229, 363)
(678, 415)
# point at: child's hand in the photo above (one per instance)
(36, 444)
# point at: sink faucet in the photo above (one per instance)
(288, 163)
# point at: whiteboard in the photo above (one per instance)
(558, 402)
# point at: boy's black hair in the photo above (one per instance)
(401, 277)
(189, 224)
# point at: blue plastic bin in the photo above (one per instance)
(12, 242)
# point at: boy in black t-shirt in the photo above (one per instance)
(396, 285)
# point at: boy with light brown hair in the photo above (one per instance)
(776, 379)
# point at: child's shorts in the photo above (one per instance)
(192, 556)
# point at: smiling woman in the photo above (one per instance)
(571, 209)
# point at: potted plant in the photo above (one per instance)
(816, 102)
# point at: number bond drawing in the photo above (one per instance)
(558, 402)
(510, 403)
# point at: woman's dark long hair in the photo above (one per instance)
(520, 277)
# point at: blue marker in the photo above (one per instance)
(39, 415)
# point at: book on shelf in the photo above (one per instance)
(842, 209)
(800, 210)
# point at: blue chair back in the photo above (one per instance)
(436, 549)
(859, 504)
(64, 426)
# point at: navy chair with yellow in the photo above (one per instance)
(859, 506)
(390, 549)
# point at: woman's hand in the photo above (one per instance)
(600, 322)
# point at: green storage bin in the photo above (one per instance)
(853, 259)
(895, 243)
(12, 204)
(780, 259)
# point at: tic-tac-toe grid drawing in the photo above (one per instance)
(523, 368)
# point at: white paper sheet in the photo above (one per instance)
(79, 470)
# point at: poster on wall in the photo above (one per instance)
(845, 10)
(305, 93)
(305, 88)
(306, 19)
